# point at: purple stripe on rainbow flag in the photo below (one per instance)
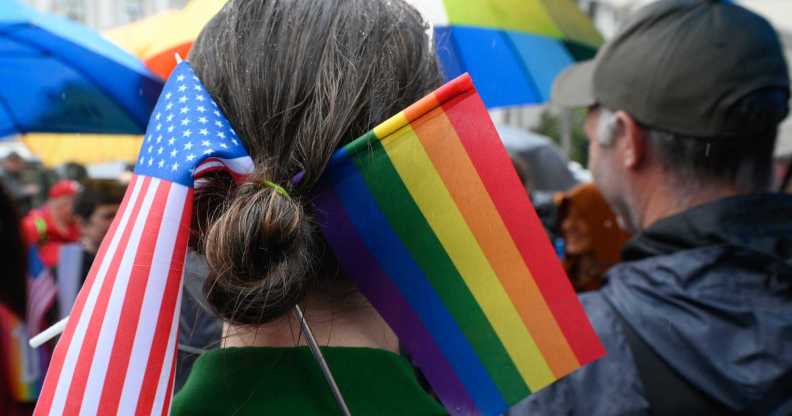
(387, 298)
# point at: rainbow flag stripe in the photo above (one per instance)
(520, 43)
(21, 362)
(426, 214)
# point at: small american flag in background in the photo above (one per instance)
(41, 292)
(117, 353)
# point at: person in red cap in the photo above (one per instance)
(54, 224)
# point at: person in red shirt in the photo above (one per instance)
(54, 224)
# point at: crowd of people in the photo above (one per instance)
(56, 219)
(681, 248)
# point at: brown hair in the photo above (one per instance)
(296, 79)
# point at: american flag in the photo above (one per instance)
(41, 292)
(117, 353)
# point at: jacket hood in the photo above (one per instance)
(719, 276)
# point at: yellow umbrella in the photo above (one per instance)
(181, 30)
(138, 37)
(56, 149)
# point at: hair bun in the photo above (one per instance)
(258, 252)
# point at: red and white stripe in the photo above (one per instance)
(238, 168)
(41, 292)
(116, 356)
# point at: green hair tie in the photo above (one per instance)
(279, 189)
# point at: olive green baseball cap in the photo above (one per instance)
(681, 66)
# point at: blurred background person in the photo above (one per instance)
(14, 176)
(73, 171)
(95, 207)
(54, 224)
(20, 374)
(590, 235)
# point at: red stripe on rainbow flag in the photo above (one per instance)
(494, 167)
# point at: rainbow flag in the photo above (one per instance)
(21, 363)
(522, 44)
(426, 214)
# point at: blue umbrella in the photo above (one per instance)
(58, 76)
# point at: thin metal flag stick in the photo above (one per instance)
(317, 353)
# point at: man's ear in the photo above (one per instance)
(634, 141)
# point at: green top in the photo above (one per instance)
(273, 381)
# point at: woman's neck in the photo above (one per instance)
(360, 326)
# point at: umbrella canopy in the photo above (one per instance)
(139, 36)
(87, 149)
(513, 49)
(58, 76)
(178, 34)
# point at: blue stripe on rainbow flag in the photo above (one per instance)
(508, 67)
(396, 261)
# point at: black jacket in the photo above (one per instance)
(710, 290)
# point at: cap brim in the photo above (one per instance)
(573, 88)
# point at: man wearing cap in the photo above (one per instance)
(683, 111)
(54, 224)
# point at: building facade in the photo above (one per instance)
(105, 14)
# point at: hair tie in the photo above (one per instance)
(279, 189)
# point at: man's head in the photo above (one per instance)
(96, 206)
(61, 201)
(684, 106)
(13, 163)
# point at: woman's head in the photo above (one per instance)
(297, 79)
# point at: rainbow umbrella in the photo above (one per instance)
(513, 49)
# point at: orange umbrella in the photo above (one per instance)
(178, 34)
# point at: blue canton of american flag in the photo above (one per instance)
(188, 135)
(117, 355)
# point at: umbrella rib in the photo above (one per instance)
(87, 75)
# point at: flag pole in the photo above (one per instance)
(317, 353)
(48, 333)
